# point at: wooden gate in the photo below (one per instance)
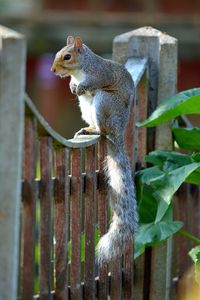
(64, 205)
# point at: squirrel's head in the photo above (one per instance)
(67, 59)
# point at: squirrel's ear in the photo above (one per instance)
(70, 40)
(78, 43)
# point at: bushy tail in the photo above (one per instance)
(123, 204)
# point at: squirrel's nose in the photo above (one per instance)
(53, 69)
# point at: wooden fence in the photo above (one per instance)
(64, 193)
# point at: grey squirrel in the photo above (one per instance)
(105, 90)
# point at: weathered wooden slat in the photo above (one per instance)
(128, 272)
(102, 197)
(76, 212)
(116, 279)
(142, 103)
(131, 140)
(142, 272)
(46, 197)
(90, 212)
(131, 136)
(181, 242)
(166, 86)
(61, 223)
(28, 211)
(12, 82)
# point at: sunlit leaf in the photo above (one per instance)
(168, 160)
(186, 102)
(153, 234)
(187, 138)
(168, 184)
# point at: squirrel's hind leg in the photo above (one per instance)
(87, 131)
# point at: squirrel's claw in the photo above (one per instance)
(73, 88)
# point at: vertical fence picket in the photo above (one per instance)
(130, 136)
(28, 211)
(142, 92)
(102, 218)
(131, 146)
(90, 212)
(141, 279)
(12, 82)
(166, 86)
(181, 214)
(46, 197)
(61, 223)
(116, 279)
(76, 213)
(128, 272)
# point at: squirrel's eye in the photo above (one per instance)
(67, 57)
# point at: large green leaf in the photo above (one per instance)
(187, 138)
(153, 234)
(168, 184)
(194, 177)
(147, 204)
(169, 160)
(186, 102)
(158, 184)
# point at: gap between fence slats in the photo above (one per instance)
(61, 223)
(29, 206)
(90, 211)
(46, 204)
(76, 213)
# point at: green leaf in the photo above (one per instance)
(169, 160)
(187, 138)
(196, 157)
(157, 185)
(168, 184)
(194, 177)
(153, 234)
(186, 102)
(195, 255)
(147, 204)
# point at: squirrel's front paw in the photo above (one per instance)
(73, 88)
(80, 90)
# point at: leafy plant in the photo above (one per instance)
(157, 184)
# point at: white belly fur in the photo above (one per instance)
(85, 101)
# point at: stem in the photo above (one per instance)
(189, 236)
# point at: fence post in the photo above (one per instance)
(12, 80)
(161, 52)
